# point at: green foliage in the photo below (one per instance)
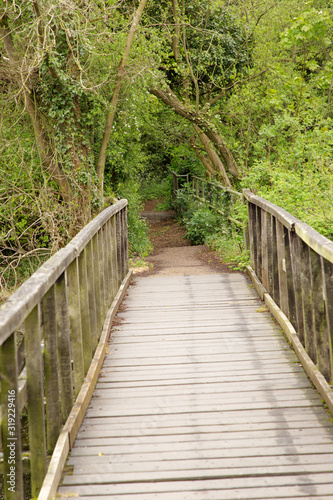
(294, 191)
(202, 224)
(231, 248)
(139, 243)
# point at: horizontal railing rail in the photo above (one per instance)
(49, 331)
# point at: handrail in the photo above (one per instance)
(295, 265)
(62, 307)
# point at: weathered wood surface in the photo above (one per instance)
(200, 397)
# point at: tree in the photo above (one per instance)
(210, 52)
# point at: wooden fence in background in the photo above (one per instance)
(61, 311)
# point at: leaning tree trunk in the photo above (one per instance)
(171, 100)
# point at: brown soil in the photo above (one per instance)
(170, 255)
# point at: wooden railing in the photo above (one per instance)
(295, 265)
(293, 262)
(50, 332)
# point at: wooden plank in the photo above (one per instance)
(192, 396)
(264, 247)
(328, 292)
(10, 421)
(309, 341)
(281, 255)
(92, 295)
(292, 313)
(323, 492)
(51, 369)
(99, 291)
(319, 322)
(66, 383)
(85, 311)
(114, 265)
(295, 253)
(75, 324)
(34, 363)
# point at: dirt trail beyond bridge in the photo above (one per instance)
(173, 253)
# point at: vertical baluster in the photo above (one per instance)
(124, 242)
(275, 267)
(119, 247)
(99, 294)
(270, 256)
(252, 234)
(75, 324)
(92, 295)
(108, 270)
(259, 243)
(328, 294)
(64, 346)
(34, 364)
(306, 300)
(290, 279)
(296, 272)
(114, 256)
(10, 421)
(282, 268)
(51, 369)
(102, 262)
(85, 312)
(264, 249)
(319, 335)
(111, 261)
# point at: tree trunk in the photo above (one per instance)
(100, 167)
(213, 156)
(171, 100)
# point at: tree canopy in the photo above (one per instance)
(99, 97)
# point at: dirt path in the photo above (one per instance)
(173, 253)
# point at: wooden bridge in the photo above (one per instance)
(201, 395)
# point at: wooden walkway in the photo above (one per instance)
(200, 397)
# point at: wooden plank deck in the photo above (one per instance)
(200, 397)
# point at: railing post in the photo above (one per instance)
(75, 324)
(34, 364)
(252, 234)
(282, 270)
(306, 300)
(125, 235)
(264, 249)
(99, 292)
(85, 310)
(10, 421)
(51, 369)
(296, 272)
(122, 251)
(91, 282)
(328, 294)
(258, 243)
(113, 236)
(275, 264)
(65, 357)
(290, 278)
(319, 335)
(102, 279)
